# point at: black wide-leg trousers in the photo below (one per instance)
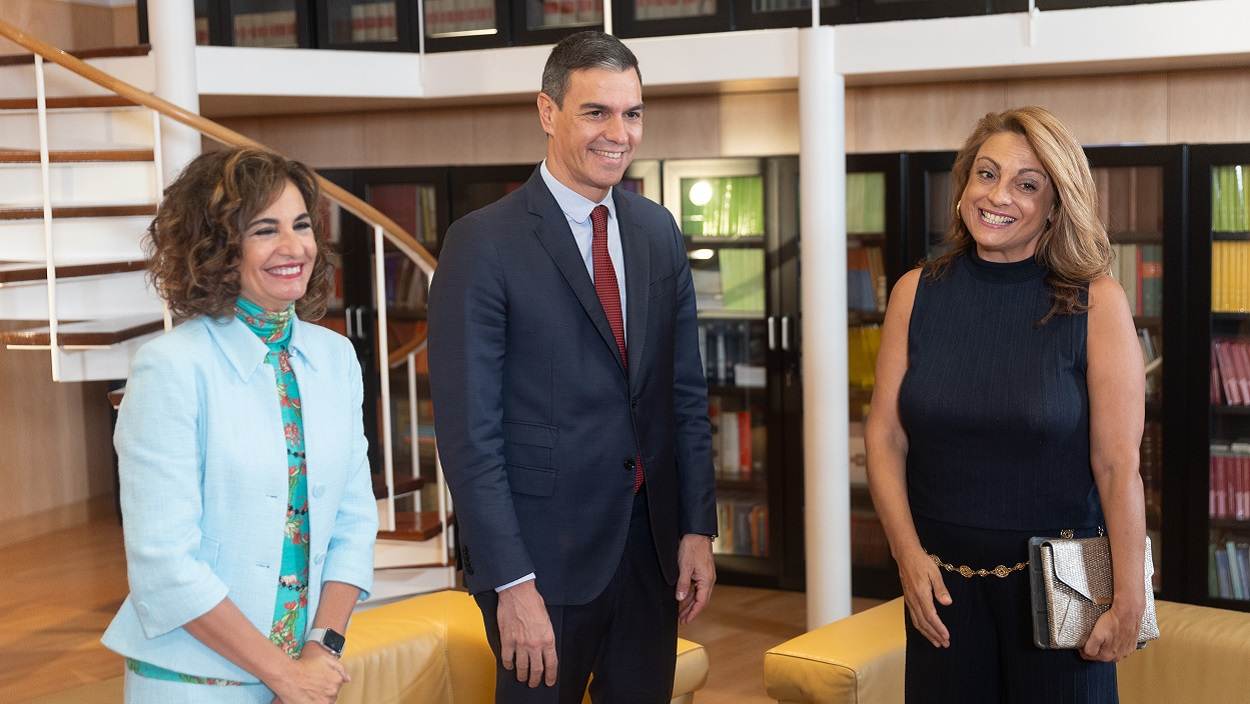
(626, 637)
(992, 658)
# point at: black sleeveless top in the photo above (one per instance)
(995, 406)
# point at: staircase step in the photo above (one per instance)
(402, 486)
(108, 331)
(15, 273)
(416, 526)
(31, 156)
(108, 52)
(70, 103)
(78, 211)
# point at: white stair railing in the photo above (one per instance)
(45, 175)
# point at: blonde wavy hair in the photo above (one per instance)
(1073, 245)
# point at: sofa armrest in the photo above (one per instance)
(1202, 655)
(856, 659)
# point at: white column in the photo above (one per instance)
(822, 179)
(171, 30)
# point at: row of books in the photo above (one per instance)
(269, 29)
(865, 203)
(731, 280)
(1150, 351)
(731, 354)
(564, 13)
(737, 445)
(743, 528)
(370, 22)
(728, 206)
(1139, 269)
(1130, 199)
(406, 285)
(1230, 277)
(668, 9)
(1230, 372)
(450, 16)
(785, 5)
(865, 279)
(1230, 199)
(862, 343)
(1229, 488)
(413, 207)
(1229, 569)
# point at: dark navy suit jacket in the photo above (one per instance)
(539, 422)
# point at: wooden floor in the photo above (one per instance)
(61, 590)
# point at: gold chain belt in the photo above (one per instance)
(1000, 571)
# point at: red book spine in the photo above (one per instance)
(1210, 485)
(744, 444)
(1221, 488)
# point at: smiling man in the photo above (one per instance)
(571, 407)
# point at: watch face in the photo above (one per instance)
(334, 640)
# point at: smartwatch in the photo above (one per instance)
(329, 638)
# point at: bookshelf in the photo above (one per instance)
(652, 18)
(366, 25)
(876, 245)
(549, 21)
(453, 25)
(1219, 311)
(768, 14)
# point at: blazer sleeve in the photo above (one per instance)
(693, 434)
(349, 557)
(159, 449)
(468, 338)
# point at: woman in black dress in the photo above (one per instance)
(1009, 404)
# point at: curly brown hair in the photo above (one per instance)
(195, 242)
(1074, 245)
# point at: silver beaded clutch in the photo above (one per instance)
(1072, 586)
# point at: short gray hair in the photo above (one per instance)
(589, 49)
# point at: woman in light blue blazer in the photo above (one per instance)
(247, 503)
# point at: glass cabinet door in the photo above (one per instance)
(1228, 539)
(1130, 205)
(268, 23)
(365, 24)
(454, 25)
(719, 206)
(873, 235)
(549, 21)
(886, 10)
(641, 18)
(765, 14)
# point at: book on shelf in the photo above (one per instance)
(727, 348)
(1228, 495)
(742, 279)
(1230, 372)
(406, 287)
(449, 16)
(1152, 471)
(863, 343)
(1130, 199)
(1230, 563)
(201, 31)
(266, 29)
(1139, 269)
(670, 9)
(865, 279)
(865, 202)
(1230, 276)
(736, 442)
(859, 455)
(1150, 351)
(1230, 199)
(743, 527)
(734, 206)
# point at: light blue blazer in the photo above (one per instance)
(203, 466)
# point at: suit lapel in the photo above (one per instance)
(637, 281)
(556, 237)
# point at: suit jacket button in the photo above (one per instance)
(629, 464)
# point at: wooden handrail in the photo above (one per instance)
(405, 242)
(415, 345)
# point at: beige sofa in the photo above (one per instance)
(429, 649)
(1202, 656)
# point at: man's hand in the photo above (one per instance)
(525, 635)
(696, 575)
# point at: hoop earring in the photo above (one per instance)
(957, 204)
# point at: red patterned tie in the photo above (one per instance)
(610, 296)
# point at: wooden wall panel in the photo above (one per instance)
(69, 25)
(918, 117)
(1209, 106)
(759, 124)
(58, 449)
(1125, 108)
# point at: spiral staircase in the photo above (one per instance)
(80, 178)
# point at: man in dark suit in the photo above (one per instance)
(571, 407)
